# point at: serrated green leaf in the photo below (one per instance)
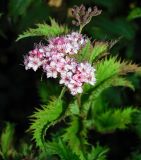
(98, 153)
(112, 119)
(106, 69)
(72, 137)
(120, 81)
(58, 147)
(98, 49)
(44, 30)
(129, 67)
(43, 118)
(109, 73)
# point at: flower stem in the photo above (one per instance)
(80, 29)
(79, 100)
(62, 92)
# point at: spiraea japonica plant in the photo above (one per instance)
(84, 69)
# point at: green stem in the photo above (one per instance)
(80, 121)
(62, 92)
(80, 29)
(79, 100)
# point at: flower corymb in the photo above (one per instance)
(56, 61)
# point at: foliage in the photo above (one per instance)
(58, 147)
(87, 112)
(73, 136)
(135, 13)
(6, 140)
(112, 119)
(44, 30)
(84, 113)
(43, 118)
(90, 53)
(98, 153)
(110, 72)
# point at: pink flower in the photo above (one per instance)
(34, 60)
(55, 61)
(66, 78)
(58, 40)
(51, 71)
(75, 88)
(61, 68)
(79, 77)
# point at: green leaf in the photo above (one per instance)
(112, 119)
(58, 147)
(135, 13)
(6, 139)
(109, 73)
(90, 53)
(98, 153)
(72, 136)
(99, 48)
(43, 118)
(44, 30)
(106, 69)
(96, 91)
(25, 149)
(120, 81)
(85, 52)
(74, 108)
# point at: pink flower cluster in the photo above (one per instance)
(55, 61)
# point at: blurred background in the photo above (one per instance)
(20, 90)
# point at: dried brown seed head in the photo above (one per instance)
(83, 16)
